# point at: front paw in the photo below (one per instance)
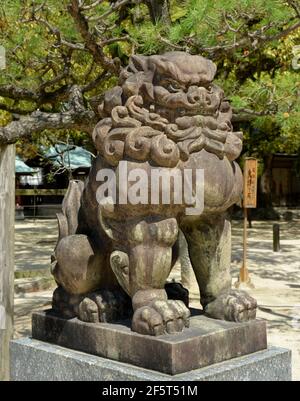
(234, 306)
(161, 317)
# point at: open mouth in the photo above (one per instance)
(172, 114)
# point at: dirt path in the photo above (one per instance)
(276, 277)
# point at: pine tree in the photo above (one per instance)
(63, 54)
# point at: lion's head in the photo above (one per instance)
(165, 108)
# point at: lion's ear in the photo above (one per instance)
(160, 62)
(148, 89)
(138, 63)
(112, 98)
(212, 68)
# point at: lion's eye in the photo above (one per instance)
(174, 87)
(171, 86)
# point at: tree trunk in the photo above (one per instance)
(266, 183)
(159, 10)
(7, 217)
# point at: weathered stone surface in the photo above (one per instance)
(165, 116)
(206, 342)
(33, 360)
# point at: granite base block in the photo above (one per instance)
(33, 360)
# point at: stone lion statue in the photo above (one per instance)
(113, 257)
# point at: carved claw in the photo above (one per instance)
(161, 317)
(104, 307)
(235, 306)
(119, 263)
(88, 311)
(65, 304)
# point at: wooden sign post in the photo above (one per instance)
(249, 202)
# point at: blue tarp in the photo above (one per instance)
(22, 168)
(72, 157)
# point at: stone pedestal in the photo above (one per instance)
(208, 350)
(19, 213)
(205, 343)
(33, 360)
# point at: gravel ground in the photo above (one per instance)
(276, 277)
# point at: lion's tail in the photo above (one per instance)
(68, 219)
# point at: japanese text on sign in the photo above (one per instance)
(250, 183)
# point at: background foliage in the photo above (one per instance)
(56, 44)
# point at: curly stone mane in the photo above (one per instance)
(164, 109)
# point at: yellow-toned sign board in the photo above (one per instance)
(250, 183)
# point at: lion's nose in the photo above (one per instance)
(197, 95)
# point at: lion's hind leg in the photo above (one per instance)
(209, 242)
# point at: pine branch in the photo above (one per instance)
(76, 117)
(91, 6)
(90, 40)
(244, 114)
